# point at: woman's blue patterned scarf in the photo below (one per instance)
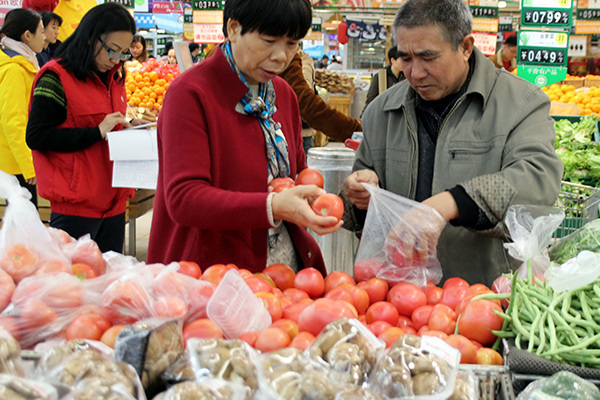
(263, 108)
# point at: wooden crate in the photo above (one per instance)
(341, 103)
(577, 82)
(589, 82)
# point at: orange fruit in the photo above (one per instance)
(161, 82)
(160, 91)
(153, 76)
(138, 77)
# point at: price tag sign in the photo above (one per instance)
(207, 5)
(542, 56)
(588, 17)
(505, 23)
(485, 18)
(547, 13)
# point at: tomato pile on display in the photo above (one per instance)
(146, 83)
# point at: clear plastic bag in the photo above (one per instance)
(562, 385)
(86, 251)
(531, 228)
(232, 360)
(10, 354)
(466, 386)
(210, 389)
(390, 247)
(416, 367)
(348, 349)
(25, 243)
(17, 388)
(585, 238)
(574, 273)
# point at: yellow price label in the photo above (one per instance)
(561, 38)
(563, 3)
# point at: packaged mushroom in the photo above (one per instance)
(288, 374)
(466, 386)
(180, 371)
(210, 389)
(232, 360)
(16, 388)
(150, 346)
(349, 391)
(416, 367)
(90, 373)
(10, 354)
(348, 348)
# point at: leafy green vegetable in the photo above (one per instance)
(575, 147)
(586, 238)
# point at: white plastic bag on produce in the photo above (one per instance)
(531, 228)
(25, 243)
(574, 273)
(384, 253)
(562, 385)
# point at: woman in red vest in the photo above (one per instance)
(77, 98)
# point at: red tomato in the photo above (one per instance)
(277, 292)
(87, 252)
(84, 271)
(286, 183)
(434, 294)
(271, 303)
(285, 301)
(406, 297)
(202, 328)
(329, 204)
(170, 306)
(295, 294)
(272, 339)
(310, 176)
(282, 275)
(88, 326)
(125, 302)
(404, 321)
(293, 311)
(321, 312)
(420, 316)
(367, 269)
(7, 288)
(288, 326)
(337, 278)
(378, 327)
(302, 340)
(54, 267)
(249, 337)
(390, 335)
(468, 353)
(258, 284)
(267, 279)
(36, 314)
(11, 324)
(453, 295)
(437, 334)
(487, 356)
(109, 337)
(382, 311)
(339, 293)
(409, 330)
(377, 289)
(361, 298)
(190, 268)
(455, 281)
(442, 321)
(19, 262)
(215, 273)
(446, 309)
(244, 273)
(478, 320)
(311, 281)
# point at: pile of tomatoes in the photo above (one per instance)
(147, 83)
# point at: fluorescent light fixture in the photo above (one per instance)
(160, 31)
(501, 4)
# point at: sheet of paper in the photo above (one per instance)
(135, 174)
(133, 144)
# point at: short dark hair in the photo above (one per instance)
(168, 46)
(325, 56)
(453, 16)
(193, 46)
(49, 16)
(511, 40)
(393, 53)
(77, 54)
(18, 21)
(291, 18)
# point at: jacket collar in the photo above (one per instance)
(482, 82)
(10, 57)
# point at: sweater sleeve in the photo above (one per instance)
(48, 112)
(314, 110)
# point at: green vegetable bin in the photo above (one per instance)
(576, 118)
(580, 204)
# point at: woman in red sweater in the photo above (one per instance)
(228, 126)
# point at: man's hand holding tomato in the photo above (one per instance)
(355, 191)
(293, 205)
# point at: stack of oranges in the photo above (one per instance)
(586, 99)
(146, 84)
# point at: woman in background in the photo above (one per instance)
(138, 49)
(23, 32)
(51, 22)
(79, 96)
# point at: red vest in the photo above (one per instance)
(80, 183)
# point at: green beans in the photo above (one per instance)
(562, 327)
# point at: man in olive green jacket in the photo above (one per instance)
(458, 135)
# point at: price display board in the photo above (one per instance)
(505, 23)
(207, 5)
(547, 13)
(126, 3)
(542, 56)
(588, 17)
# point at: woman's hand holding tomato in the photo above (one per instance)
(292, 205)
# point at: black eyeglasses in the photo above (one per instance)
(113, 55)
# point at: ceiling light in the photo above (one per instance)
(502, 4)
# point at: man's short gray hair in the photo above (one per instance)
(453, 16)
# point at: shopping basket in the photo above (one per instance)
(580, 204)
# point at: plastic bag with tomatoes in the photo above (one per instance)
(25, 243)
(126, 296)
(531, 228)
(399, 240)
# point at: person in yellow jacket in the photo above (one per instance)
(23, 33)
